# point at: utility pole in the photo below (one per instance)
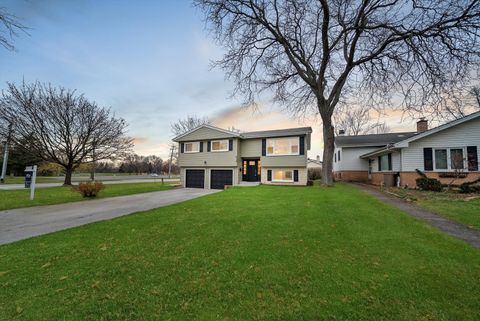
(172, 149)
(5, 153)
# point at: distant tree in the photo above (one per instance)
(355, 120)
(475, 92)
(18, 159)
(311, 54)
(190, 122)
(10, 27)
(63, 127)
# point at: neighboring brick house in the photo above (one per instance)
(211, 157)
(445, 152)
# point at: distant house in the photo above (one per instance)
(211, 157)
(441, 152)
(314, 163)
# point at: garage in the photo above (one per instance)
(194, 178)
(220, 178)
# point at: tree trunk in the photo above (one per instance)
(328, 150)
(68, 176)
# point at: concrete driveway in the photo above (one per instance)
(23, 223)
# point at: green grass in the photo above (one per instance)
(55, 195)
(21, 180)
(455, 206)
(260, 253)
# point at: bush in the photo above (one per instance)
(469, 188)
(429, 184)
(309, 183)
(89, 189)
(314, 173)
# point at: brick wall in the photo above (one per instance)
(351, 176)
(408, 178)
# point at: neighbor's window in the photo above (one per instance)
(456, 158)
(193, 147)
(282, 175)
(384, 163)
(283, 146)
(219, 145)
(441, 159)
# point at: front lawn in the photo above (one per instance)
(10, 199)
(463, 208)
(256, 253)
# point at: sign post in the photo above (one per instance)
(30, 179)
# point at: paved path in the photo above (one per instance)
(23, 223)
(123, 181)
(452, 228)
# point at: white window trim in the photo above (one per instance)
(449, 160)
(290, 146)
(197, 150)
(282, 180)
(219, 150)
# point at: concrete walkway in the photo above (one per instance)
(452, 228)
(23, 223)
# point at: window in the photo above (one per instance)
(192, 147)
(219, 145)
(385, 163)
(283, 146)
(449, 159)
(282, 175)
(456, 158)
(441, 159)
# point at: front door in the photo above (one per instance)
(251, 172)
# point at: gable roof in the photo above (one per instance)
(223, 131)
(277, 133)
(405, 142)
(372, 139)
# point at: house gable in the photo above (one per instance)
(205, 132)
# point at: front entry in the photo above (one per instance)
(251, 170)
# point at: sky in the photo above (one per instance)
(149, 61)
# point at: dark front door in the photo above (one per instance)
(251, 170)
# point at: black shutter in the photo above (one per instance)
(379, 163)
(269, 175)
(390, 162)
(472, 158)
(427, 159)
(230, 144)
(181, 148)
(201, 147)
(264, 147)
(295, 175)
(339, 155)
(335, 157)
(208, 146)
(302, 145)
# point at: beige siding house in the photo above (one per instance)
(444, 152)
(211, 157)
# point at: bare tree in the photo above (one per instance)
(312, 54)
(475, 93)
(10, 27)
(63, 127)
(190, 122)
(355, 119)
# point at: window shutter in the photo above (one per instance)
(390, 162)
(201, 147)
(472, 158)
(302, 145)
(428, 159)
(264, 147)
(379, 159)
(269, 175)
(208, 146)
(181, 148)
(339, 155)
(295, 175)
(335, 157)
(230, 144)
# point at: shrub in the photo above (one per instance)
(429, 184)
(89, 189)
(469, 188)
(309, 183)
(314, 173)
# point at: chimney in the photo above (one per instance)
(318, 158)
(341, 132)
(422, 125)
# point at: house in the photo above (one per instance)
(448, 153)
(211, 157)
(314, 163)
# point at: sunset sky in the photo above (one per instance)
(149, 61)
